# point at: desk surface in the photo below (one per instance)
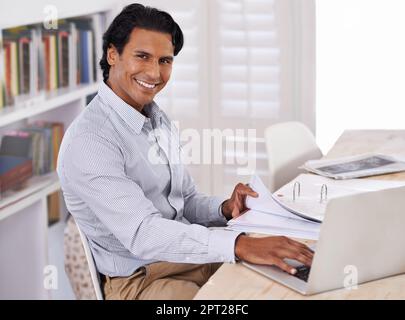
(234, 281)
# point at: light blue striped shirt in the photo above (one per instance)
(135, 212)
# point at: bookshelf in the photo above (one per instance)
(24, 212)
(53, 100)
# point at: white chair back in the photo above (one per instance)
(289, 145)
(95, 276)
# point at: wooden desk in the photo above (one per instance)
(234, 281)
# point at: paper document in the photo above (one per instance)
(268, 217)
(265, 201)
(356, 166)
(260, 222)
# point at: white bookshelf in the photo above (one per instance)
(50, 101)
(23, 213)
(13, 201)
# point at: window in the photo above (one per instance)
(360, 66)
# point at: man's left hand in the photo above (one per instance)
(236, 205)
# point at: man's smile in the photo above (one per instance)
(146, 84)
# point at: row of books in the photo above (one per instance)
(28, 151)
(34, 60)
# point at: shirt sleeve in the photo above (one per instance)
(94, 169)
(200, 208)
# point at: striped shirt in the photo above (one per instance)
(135, 211)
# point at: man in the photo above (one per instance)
(145, 222)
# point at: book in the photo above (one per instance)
(86, 61)
(72, 50)
(24, 64)
(17, 143)
(2, 61)
(34, 59)
(34, 48)
(63, 58)
(53, 201)
(14, 171)
(39, 141)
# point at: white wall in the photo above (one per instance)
(360, 66)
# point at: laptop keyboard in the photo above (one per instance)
(302, 273)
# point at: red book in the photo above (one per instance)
(14, 171)
(46, 63)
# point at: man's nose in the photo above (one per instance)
(153, 70)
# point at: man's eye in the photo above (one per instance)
(142, 56)
(166, 61)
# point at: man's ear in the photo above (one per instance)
(112, 55)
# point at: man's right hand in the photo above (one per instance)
(272, 251)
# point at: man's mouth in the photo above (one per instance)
(146, 84)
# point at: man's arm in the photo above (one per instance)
(94, 170)
(200, 208)
(267, 250)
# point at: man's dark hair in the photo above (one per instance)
(138, 16)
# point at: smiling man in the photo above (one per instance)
(145, 222)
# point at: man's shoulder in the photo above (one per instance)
(94, 120)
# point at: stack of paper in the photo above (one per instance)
(268, 217)
(267, 223)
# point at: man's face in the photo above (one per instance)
(143, 68)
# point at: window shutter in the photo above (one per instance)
(248, 67)
(185, 97)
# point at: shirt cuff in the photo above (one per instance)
(222, 245)
(216, 212)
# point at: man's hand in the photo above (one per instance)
(272, 251)
(235, 206)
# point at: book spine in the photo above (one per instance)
(72, 55)
(97, 24)
(14, 68)
(47, 71)
(16, 175)
(8, 75)
(83, 57)
(90, 55)
(24, 64)
(53, 72)
(33, 80)
(40, 50)
(2, 75)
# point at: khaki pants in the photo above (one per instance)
(160, 281)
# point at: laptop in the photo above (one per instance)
(362, 239)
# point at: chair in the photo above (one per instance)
(289, 145)
(79, 264)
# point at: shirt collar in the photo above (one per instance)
(130, 115)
